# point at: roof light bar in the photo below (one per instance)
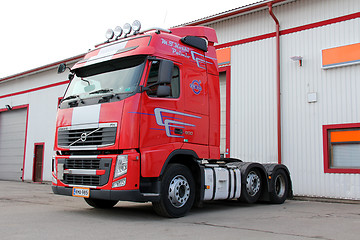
(118, 31)
(127, 29)
(109, 34)
(136, 26)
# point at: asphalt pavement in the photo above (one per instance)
(31, 211)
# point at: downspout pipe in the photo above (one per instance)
(277, 80)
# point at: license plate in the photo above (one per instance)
(81, 192)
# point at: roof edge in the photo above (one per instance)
(234, 12)
(41, 69)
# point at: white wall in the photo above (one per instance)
(253, 91)
(253, 103)
(41, 113)
(338, 102)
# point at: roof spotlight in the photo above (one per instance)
(136, 26)
(109, 34)
(127, 29)
(118, 31)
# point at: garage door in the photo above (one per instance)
(12, 143)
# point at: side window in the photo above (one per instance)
(153, 78)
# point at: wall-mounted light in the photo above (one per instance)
(297, 58)
(8, 107)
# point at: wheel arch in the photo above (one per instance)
(272, 168)
(181, 156)
(189, 159)
(245, 167)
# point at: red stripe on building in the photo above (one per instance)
(291, 30)
(35, 89)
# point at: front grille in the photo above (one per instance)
(82, 164)
(86, 163)
(82, 180)
(79, 137)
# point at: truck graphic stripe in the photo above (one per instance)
(168, 123)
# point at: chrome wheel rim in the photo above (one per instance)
(179, 191)
(252, 183)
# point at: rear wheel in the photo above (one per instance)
(280, 188)
(252, 187)
(100, 203)
(177, 192)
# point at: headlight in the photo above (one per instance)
(121, 166)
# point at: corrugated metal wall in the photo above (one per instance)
(253, 103)
(338, 102)
(253, 93)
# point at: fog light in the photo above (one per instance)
(120, 183)
(118, 32)
(136, 26)
(109, 34)
(127, 29)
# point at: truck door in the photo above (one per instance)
(158, 109)
(165, 124)
(165, 119)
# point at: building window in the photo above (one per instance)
(342, 148)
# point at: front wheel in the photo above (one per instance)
(100, 203)
(177, 192)
(252, 188)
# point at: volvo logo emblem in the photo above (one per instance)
(83, 137)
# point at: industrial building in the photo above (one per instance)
(289, 87)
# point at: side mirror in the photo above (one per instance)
(165, 71)
(61, 68)
(195, 42)
(163, 91)
(71, 76)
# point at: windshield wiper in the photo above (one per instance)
(104, 90)
(73, 97)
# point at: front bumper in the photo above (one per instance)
(118, 195)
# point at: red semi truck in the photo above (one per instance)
(140, 121)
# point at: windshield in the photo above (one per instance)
(117, 77)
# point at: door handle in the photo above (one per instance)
(178, 131)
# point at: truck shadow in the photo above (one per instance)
(141, 211)
(222, 205)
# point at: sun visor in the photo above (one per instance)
(115, 50)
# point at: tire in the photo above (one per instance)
(252, 187)
(100, 203)
(280, 187)
(177, 192)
